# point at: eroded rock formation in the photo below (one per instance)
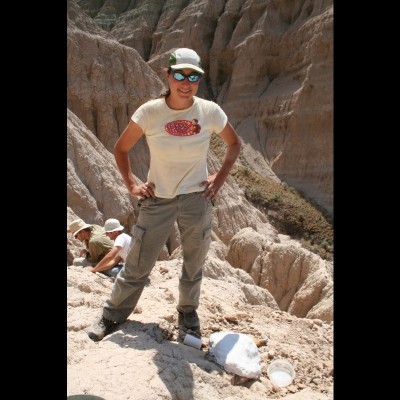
(269, 65)
(107, 81)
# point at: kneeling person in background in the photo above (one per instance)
(97, 244)
(113, 261)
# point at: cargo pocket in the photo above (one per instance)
(137, 240)
(203, 245)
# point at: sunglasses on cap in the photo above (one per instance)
(180, 76)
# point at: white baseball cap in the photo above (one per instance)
(185, 58)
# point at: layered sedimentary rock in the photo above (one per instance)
(269, 64)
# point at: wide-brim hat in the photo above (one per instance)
(77, 225)
(185, 58)
(112, 225)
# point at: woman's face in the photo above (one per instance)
(183, 88)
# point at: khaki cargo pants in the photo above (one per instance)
(192, 212)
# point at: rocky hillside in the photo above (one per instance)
(144, 360)
(269, 65)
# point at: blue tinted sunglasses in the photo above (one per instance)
(180, 76)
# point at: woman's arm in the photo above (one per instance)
(132, 133)
(215, 182)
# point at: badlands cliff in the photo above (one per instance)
(269, 65)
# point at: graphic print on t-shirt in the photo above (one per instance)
(183, 127)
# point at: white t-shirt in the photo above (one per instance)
(123, 240)
(178, 141)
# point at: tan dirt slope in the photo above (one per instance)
(143, 359)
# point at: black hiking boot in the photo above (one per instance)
(100, 329)
(190, 320)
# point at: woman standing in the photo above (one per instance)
(178, 129)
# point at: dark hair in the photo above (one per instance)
(167, 92)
